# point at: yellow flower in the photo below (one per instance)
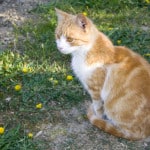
(30, 135)
(69, 77)
(39, 106)
(110, 29)
(118, 41)
(17, 87)
(147, 1)
(2, 130)
(25, 70)
(84, 13)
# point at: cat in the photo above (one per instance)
(117, 79)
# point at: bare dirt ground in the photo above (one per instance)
(14, 12)
(70, 129)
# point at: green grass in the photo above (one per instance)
(46, 81)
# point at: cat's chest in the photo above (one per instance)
(82, 70)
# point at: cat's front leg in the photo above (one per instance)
(91, 112)
(98, 108)
(97, 102)
(95, 84)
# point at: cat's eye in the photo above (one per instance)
(69, 39)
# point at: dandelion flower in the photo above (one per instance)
(110, 29)
(17, 87)
(84, 13)
(25, 70)
(69, 78)
(39, 106)
(118, 42)
(2, 130)
(30, 135)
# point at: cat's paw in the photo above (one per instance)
(90, 111)
(91, 114)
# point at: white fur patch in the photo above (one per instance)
(106, 90)
(96, 105)
(104, 94)
(79, 66)
(64, 46)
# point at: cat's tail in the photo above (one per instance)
(107, 127)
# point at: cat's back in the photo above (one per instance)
(130, 59)
(135, 70)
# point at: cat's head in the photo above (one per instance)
(73, 32)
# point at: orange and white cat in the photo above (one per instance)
(117, 79)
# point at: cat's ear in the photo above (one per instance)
(60, 14)
(82, 21)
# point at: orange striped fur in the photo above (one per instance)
(117, 78)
